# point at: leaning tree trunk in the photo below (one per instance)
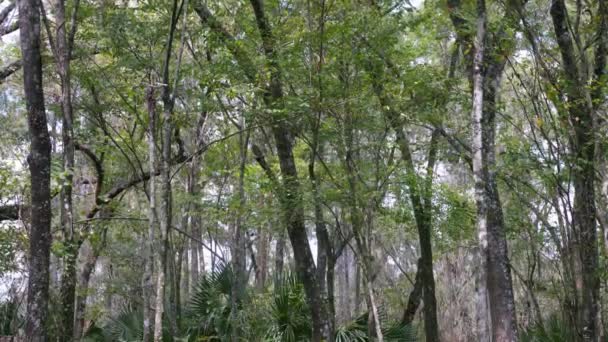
(39, 162)
(291, 197)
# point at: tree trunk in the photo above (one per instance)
(196, 254)
(291, 198)
(289, 192)
(262, 247)
(279, 259)
(148, 283)
(195, 230)
(39, 162)
(68, 279)
(174, 270)
(500, 283)
(582, 143)
(364, 256)
(165, 175)
(240, 239)
(420, 197)
(185, 256)
(483, 323)
(495, 302)
(84, 276)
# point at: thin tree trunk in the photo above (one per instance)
(84, 276)
(279, 259)
(289, 192)
(262, 247)
(420, 197)
(364, 255)
(582, 143)
(174, 269)
(62, 51)
(197, 262)
(194, 222)
(39, 162)
(148, 283)
(185, 254)
(239, 239)
(165, 175)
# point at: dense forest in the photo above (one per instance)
(303, 170)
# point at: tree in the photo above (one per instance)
(39, 162)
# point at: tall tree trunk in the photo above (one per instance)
(421, 202)
(240, 239)
(196, 253)
(165, 224)
(500, 283)
(364, 256)
(289, 192)
(291, 197)
(63, 53)
(495, 301)
(39, 162)
(165, 175)
(582, 141)
(483, 323)
(148, 283)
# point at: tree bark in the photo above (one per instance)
(421, 203)
(483, 323)
(148, 284)
(582, 141)
(39, 162)
(289, 192)
(62, 50)
(165, 175)
(502, 302)
(240, 239)
(293, 209)
(495, 302)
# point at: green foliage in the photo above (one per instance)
(12, 241)
(357, 331)
(279, 316)
(209, 310)
(126, 327)
(10, 318)
(553, 330)
(288, 312)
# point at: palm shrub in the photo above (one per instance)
(127, 326)
(357, 331)
(209, 312)
(288, 313)
(554, 330)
